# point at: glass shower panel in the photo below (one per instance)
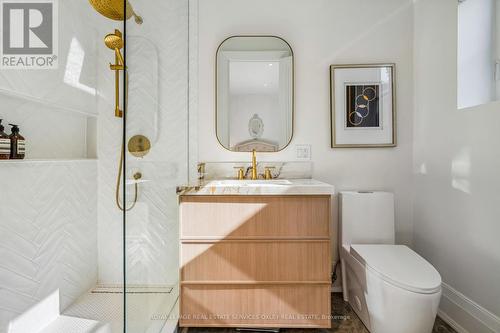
(61, 240)
(156, 160)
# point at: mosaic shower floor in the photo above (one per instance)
(101, 311)
(350, 323)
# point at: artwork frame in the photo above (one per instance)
(363, 106)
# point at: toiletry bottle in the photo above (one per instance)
(17, 144)
(4, 143)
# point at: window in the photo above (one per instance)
(478, 64)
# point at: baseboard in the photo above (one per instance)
(456, 326)
(465, 315)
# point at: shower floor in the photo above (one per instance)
(101, 311)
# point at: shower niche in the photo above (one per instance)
(56, 109)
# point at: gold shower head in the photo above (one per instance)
(113, 9)
(114, 41)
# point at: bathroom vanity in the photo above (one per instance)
(256, 254)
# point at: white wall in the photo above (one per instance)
(456, 214)
(321, 33)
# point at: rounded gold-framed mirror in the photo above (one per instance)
(254, 81)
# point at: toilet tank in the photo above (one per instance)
(366, 218)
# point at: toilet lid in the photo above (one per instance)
(400, 266)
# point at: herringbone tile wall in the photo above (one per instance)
(48, 232)
(48, 209)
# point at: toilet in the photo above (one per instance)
(390, 287)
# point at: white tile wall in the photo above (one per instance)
(48, 211)
(72, 85)
(48, 232)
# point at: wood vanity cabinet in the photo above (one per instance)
(255, 261)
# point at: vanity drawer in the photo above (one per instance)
(263, 261)
(243, 217)
(255, 306)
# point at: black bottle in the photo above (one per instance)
(17, 144)
(4, 143)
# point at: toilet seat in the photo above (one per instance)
(399, 266)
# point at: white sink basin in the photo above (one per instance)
(249, 183)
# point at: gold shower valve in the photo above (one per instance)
(139, 145)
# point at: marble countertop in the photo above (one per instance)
(259, 187)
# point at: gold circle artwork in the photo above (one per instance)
(362, 107)
(139, 145)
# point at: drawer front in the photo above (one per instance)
(255, 306)
(256, 261)
(236, 217)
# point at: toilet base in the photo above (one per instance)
(383, 307)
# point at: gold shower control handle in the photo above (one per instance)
(139, 145)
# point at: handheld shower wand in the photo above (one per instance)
(115, 42)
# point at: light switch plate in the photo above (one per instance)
(303, 152)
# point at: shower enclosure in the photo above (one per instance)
(88, 220)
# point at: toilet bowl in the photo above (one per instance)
(390, 287)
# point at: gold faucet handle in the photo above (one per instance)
(241, 172)
(267, 173)
(201, 171)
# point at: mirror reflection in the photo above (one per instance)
(254, 93)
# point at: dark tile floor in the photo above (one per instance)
(345, 321)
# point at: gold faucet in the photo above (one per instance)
(254, 165)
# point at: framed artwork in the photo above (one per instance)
(363, 106)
